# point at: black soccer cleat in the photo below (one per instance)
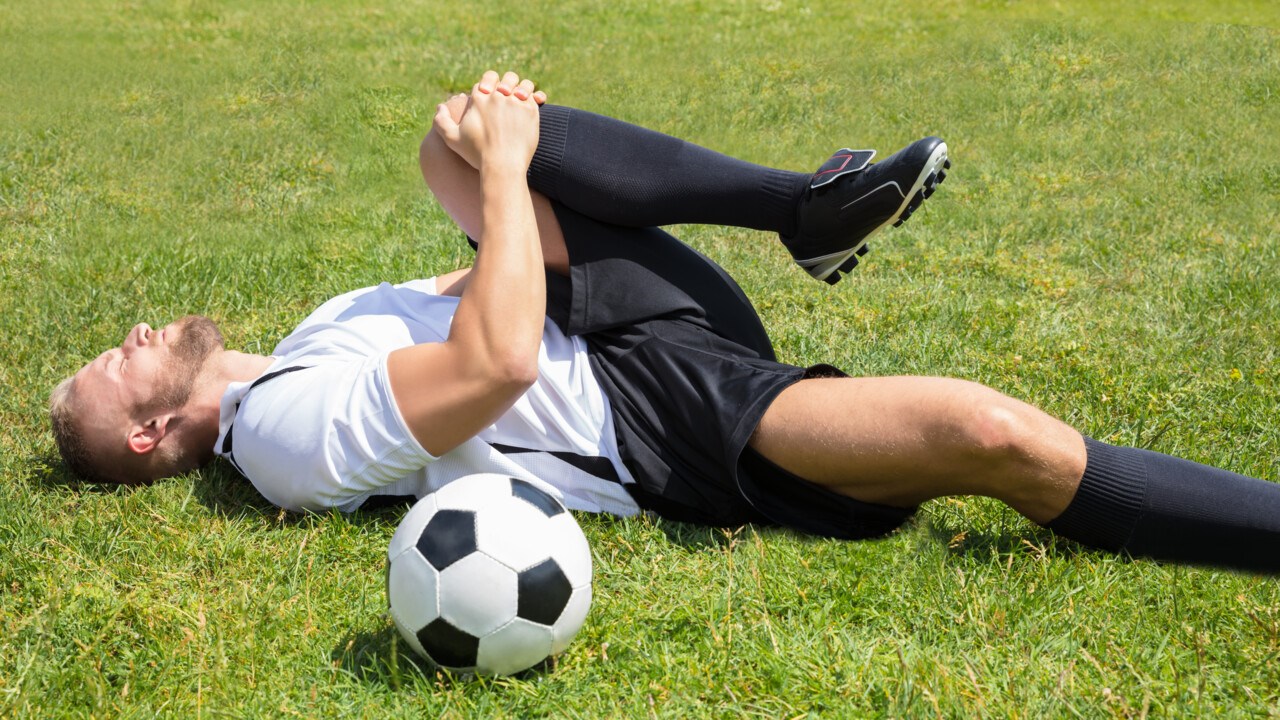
(850, 199)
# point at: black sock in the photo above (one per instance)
(1154, 505)
(624, 174)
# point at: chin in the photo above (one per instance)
(199, 335)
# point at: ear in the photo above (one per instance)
(145, 437)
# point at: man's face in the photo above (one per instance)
(152, 371)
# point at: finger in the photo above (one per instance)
(445, 124)
(540, 97)
(457, 107)
(508, 82)
(524, 89)
(487, 81)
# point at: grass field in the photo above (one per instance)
(1107, 247)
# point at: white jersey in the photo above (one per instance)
(331, 435)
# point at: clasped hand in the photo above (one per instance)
(498, 125)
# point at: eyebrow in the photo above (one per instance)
(106, 363)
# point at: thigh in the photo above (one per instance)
(904, 440)
(627, 275)
(684, 402)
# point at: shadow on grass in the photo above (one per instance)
(49, 472)
(990, 542)
(698, 537)
(227, 493)
(701, 538)
(217, 486)
(383, 658)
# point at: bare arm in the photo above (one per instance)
(453, 283)
(447, 392)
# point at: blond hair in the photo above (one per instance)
(69, 436)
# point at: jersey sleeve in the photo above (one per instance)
(324, 436)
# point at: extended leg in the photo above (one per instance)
(899, 441)
(904, 440)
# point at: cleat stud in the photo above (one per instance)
(863, 250)
(942, 176)
(946, 164)
(899, 222)
(929, 190)
(832, 279)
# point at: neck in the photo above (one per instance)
(220, 370)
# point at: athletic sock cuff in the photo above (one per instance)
(1109, 500)
(553, 133)
(779, 193)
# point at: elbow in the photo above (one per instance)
(516, 371)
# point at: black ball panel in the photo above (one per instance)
(528, 492)
(543, 592)
(447, 645)
(449, 536)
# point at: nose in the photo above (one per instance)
(137, 337)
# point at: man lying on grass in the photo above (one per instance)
(593, 351)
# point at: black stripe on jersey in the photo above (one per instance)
(226, 441)
(599, 467)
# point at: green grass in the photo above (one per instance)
(1106, 248)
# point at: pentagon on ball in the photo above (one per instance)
(489, 574)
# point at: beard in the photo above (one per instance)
(197, 341)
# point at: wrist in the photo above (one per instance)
(503, 166)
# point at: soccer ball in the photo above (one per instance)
(489, 574)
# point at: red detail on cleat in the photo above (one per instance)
(844, 164)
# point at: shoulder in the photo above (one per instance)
(372, 320)
(385, 295)
(279, 433)
(319, 437)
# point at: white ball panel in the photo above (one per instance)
(472, 491)
(512, 532)
(567, 544)
(411, 526)
(412, 586)
(478, 594)
(410, 637)
(570, 622)
(516, 646)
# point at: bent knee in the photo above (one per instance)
(992, 426)
(998, 430)
(430, 156)
(434, 157)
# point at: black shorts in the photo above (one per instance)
(689, 371)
